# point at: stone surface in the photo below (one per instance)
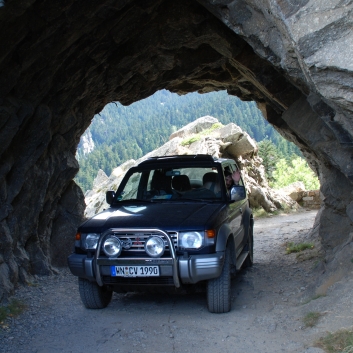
(311, 199)
(217, 144)
(61, 62)
(68, 215)
(100, 178)
(195, 127)
(86, 144)
(295, 190)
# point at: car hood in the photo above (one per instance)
(167, 216)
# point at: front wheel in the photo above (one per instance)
(219, 289)
(92, 295)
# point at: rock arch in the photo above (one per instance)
(61, 62)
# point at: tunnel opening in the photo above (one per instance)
(119, 133)
(62, 63)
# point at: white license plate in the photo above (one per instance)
(134, 271)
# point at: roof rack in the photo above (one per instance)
(185, 157)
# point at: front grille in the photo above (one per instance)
(138, 281)
(136, 241)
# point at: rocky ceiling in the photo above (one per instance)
(62, 61)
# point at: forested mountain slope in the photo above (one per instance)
(123, 132)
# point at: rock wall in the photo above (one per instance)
(311, 199)
(61, 62)
(311, 42)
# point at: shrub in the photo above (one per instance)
(296, 170)
(311, 318)
(13, 309)
(291, 247)
(340, 341)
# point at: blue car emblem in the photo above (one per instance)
(126, 244)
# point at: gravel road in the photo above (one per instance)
(269, 303)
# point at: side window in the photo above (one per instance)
(234, 168)
(228, 171)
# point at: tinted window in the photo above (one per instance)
(173, 184)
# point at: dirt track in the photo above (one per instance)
(266, 314)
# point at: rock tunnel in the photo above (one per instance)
(61, 62)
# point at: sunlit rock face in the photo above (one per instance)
(228, 141)
(61, 62)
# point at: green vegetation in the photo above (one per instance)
(294, 248)
(317, 296)
(337, 342)
(190, 140)
(197, 137)
(297, 169)
(13, 309)
(121, 133)
(270, 156)
(311, 319)
(261, 213)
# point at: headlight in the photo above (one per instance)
(154, 246)
(112, 246)
(190, 240)
(90, 243)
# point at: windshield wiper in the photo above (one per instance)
(197, 200)
(132, 200)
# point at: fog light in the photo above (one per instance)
(112, 246)
(154, 246)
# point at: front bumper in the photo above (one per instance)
(188, 270)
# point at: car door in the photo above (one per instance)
(236, 209)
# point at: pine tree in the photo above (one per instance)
(270, 156)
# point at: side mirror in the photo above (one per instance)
(237, 193)
(109, 197)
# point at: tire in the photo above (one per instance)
(92, 295)
(250, 248)
(219, 289)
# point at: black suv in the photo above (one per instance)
(172, 223)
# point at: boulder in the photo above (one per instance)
(100, 178)
(239, 143)
(228, 141)
(195, 127)
(295, 190)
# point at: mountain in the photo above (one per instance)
(119, 133)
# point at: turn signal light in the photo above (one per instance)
(78, 236)
(211, 233)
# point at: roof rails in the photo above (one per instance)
(188, 157)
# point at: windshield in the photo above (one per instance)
(172, 184)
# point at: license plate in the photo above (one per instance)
(134, 271)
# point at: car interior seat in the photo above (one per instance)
(160, 183)
(211, 181)
(181, 183)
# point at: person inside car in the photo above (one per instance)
(234, 187)
(232, 178)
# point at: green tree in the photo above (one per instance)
(270, 156)
(297, 170)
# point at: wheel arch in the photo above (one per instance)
(223, 235)
(225, 239)
(248, 219)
